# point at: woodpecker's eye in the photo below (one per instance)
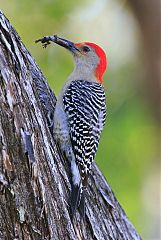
(86, 49)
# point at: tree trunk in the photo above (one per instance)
(148, 15)
(34, 176)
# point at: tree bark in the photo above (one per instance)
(34, 176)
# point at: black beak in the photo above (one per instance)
(60, 41)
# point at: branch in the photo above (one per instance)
(34, 177)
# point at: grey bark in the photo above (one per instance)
(34, 176)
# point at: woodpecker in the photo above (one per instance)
(80, 113)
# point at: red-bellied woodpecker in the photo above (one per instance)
(80, 113)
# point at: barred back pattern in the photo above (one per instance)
(85, 106)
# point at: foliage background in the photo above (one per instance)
(128, 152)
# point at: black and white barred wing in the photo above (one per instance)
(84, 104)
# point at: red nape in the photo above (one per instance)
(103, 62)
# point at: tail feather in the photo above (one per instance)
(79, 183)
(82, 204)
(77, 200)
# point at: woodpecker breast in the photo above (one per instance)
(84, 104)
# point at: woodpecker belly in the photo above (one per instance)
(61, 128)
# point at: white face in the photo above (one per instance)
(86, 56)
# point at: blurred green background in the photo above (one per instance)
(128, 153)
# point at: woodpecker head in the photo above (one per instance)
(87, 55)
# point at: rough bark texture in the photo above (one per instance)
(34, 177)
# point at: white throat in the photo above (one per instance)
(82, 71)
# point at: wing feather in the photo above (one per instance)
(84, 104)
